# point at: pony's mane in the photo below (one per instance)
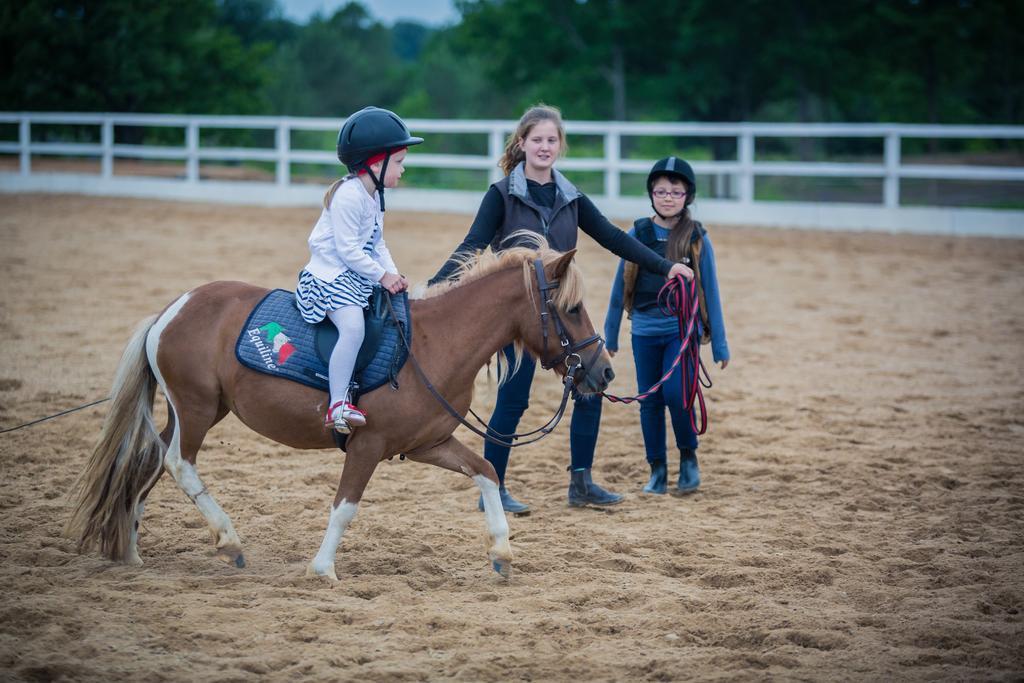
(475, 266)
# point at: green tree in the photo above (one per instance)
(125, 55)
(256, 21)
(450, 82)
(939, 61)
(408, 39)
(1000, 95)
(903, 60)
(560, 50)
(348, 62)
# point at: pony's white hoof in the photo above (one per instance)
(502, 565)
(232, 556)
(313, 571)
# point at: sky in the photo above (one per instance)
(431, 12)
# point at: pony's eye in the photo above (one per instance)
(574, 310)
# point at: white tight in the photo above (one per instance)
(349, 321)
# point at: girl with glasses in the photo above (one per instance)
(672, 232)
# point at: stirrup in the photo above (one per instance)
(343, 416)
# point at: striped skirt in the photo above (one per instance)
(314, 297)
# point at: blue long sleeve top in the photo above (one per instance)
(653, 323)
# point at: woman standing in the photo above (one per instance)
(536, 197)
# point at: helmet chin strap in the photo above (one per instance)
(379, 182)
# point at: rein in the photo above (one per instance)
(678, 299)
(570, 356)
(50, 417)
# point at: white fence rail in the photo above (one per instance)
(742, 171)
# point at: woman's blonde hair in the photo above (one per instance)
(534, 115)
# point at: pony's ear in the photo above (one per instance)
(562, 264)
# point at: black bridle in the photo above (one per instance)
(570, 355)
(550, 311)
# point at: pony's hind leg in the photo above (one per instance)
(180, 463)
(133, 556)
(193, 407)
(454, 455)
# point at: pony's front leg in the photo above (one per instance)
(454, 455)
(359, 467)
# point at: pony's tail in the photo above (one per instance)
(126, 460)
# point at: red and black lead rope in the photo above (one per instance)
(678, 299)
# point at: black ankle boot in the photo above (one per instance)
(583, 491)
(508, 504)
(689, 472)
(659, 478)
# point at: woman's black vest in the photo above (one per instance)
(558, 223)
(649, 283)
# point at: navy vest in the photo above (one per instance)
(649, 283)
(558, 224)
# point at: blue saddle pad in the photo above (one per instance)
(275, 340)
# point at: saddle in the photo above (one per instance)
(276, 341)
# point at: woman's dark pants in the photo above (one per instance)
(514, 398)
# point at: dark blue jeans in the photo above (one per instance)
(653, 356)
(514, 398)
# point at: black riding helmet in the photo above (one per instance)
(677, 169)
(368, 132)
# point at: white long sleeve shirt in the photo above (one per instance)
(337, 241)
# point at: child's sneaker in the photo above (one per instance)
(343, 416)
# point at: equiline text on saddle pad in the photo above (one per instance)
(275, 340)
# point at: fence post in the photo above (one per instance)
(192, 152)
(746, 158)
(495, 148)
(107, 142)
(284, 144)
(612, 155)
(891, 186)
(25, 139)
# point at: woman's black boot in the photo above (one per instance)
(583, 491)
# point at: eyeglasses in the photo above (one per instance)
(675, 194)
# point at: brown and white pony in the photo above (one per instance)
(188, 351)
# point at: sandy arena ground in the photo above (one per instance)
(861, 517)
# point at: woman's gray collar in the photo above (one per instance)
(517, 183)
